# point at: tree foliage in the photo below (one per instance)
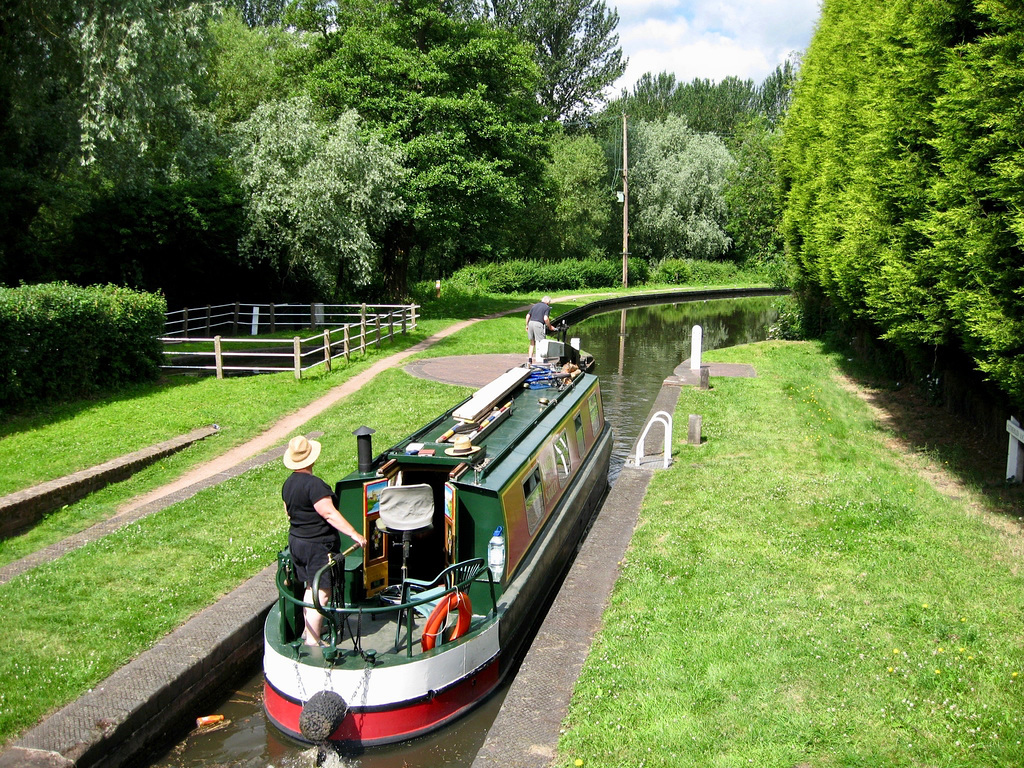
(679, 180)
(902, 170)
(317, 192)
(456, 97)
(575, 47)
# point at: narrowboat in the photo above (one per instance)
(470, 522)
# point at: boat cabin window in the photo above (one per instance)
(533, 492)
(581, 438)
(563, 461)
(595, 413)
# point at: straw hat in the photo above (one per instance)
(301, 453)
(462, 446)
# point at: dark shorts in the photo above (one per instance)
(310, 555)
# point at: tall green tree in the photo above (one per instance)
(575, 47)
(678, 183)
(581, 200)
(91, 92)
(317, 193)
(457, 98)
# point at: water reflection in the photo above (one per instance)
(635, 350)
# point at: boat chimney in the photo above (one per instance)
(364, 449)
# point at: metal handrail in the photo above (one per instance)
(336, 614)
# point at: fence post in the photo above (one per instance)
(412, 307)
(254, 329)
(1014, 454)
(376, 319)
(209, 311)
(327, 349)
(312, 316)
(363, 330)
(297, 353)
(218, 360)
(404, 310)
(234, 322)
(345, 348)
(273, 326)
(185, 322)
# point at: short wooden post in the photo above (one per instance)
(273, 322)
(297, 355)
(184, 322)
(218, 360)
(694, 427)
(362, 330)
(404, 311)
(1015, 452)
(234, 322)
(345, 347)
(209, 313)
(312, 316)
(327, 349)
(413, 323)
(705, 377)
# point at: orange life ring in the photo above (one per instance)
(440, 613)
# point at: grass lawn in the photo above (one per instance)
(797, 595)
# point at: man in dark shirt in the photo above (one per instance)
(538, 322)
(315, 523)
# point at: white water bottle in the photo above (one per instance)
(496, 554)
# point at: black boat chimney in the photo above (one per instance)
(364, 449)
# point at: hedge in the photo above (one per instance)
(526, 276)
(62, 341)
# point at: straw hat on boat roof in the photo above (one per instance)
(462, 445)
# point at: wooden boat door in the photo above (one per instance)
(449, 523)
(375, 556)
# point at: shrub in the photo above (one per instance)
(790, 325)
(62, 341)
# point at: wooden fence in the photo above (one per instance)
(347, 329)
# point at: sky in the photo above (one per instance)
(711, 38)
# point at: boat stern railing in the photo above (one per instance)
(455, 578)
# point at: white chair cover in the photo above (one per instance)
(407, 507)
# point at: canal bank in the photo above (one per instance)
(95, 720)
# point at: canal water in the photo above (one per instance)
(635, 350)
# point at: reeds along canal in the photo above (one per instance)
(635, 350)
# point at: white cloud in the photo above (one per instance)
(708, 39)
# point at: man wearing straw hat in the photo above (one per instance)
(315, 523)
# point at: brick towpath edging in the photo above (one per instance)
(23, 508)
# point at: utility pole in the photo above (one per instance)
(625, 205)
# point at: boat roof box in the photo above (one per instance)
(550, 348)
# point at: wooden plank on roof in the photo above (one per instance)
(480, 404)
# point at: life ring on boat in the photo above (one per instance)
(439, 615)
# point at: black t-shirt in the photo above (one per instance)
(301, 491)
(538, 312)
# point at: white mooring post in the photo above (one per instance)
(1015, 453)
(696, 344)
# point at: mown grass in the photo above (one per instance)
(795, 596)
(70, 623)
(58, 439)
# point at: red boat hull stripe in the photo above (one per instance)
(384, 726)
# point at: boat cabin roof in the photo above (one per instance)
(523, 417)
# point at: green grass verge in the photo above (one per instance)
(71, 623)
(794, 595)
